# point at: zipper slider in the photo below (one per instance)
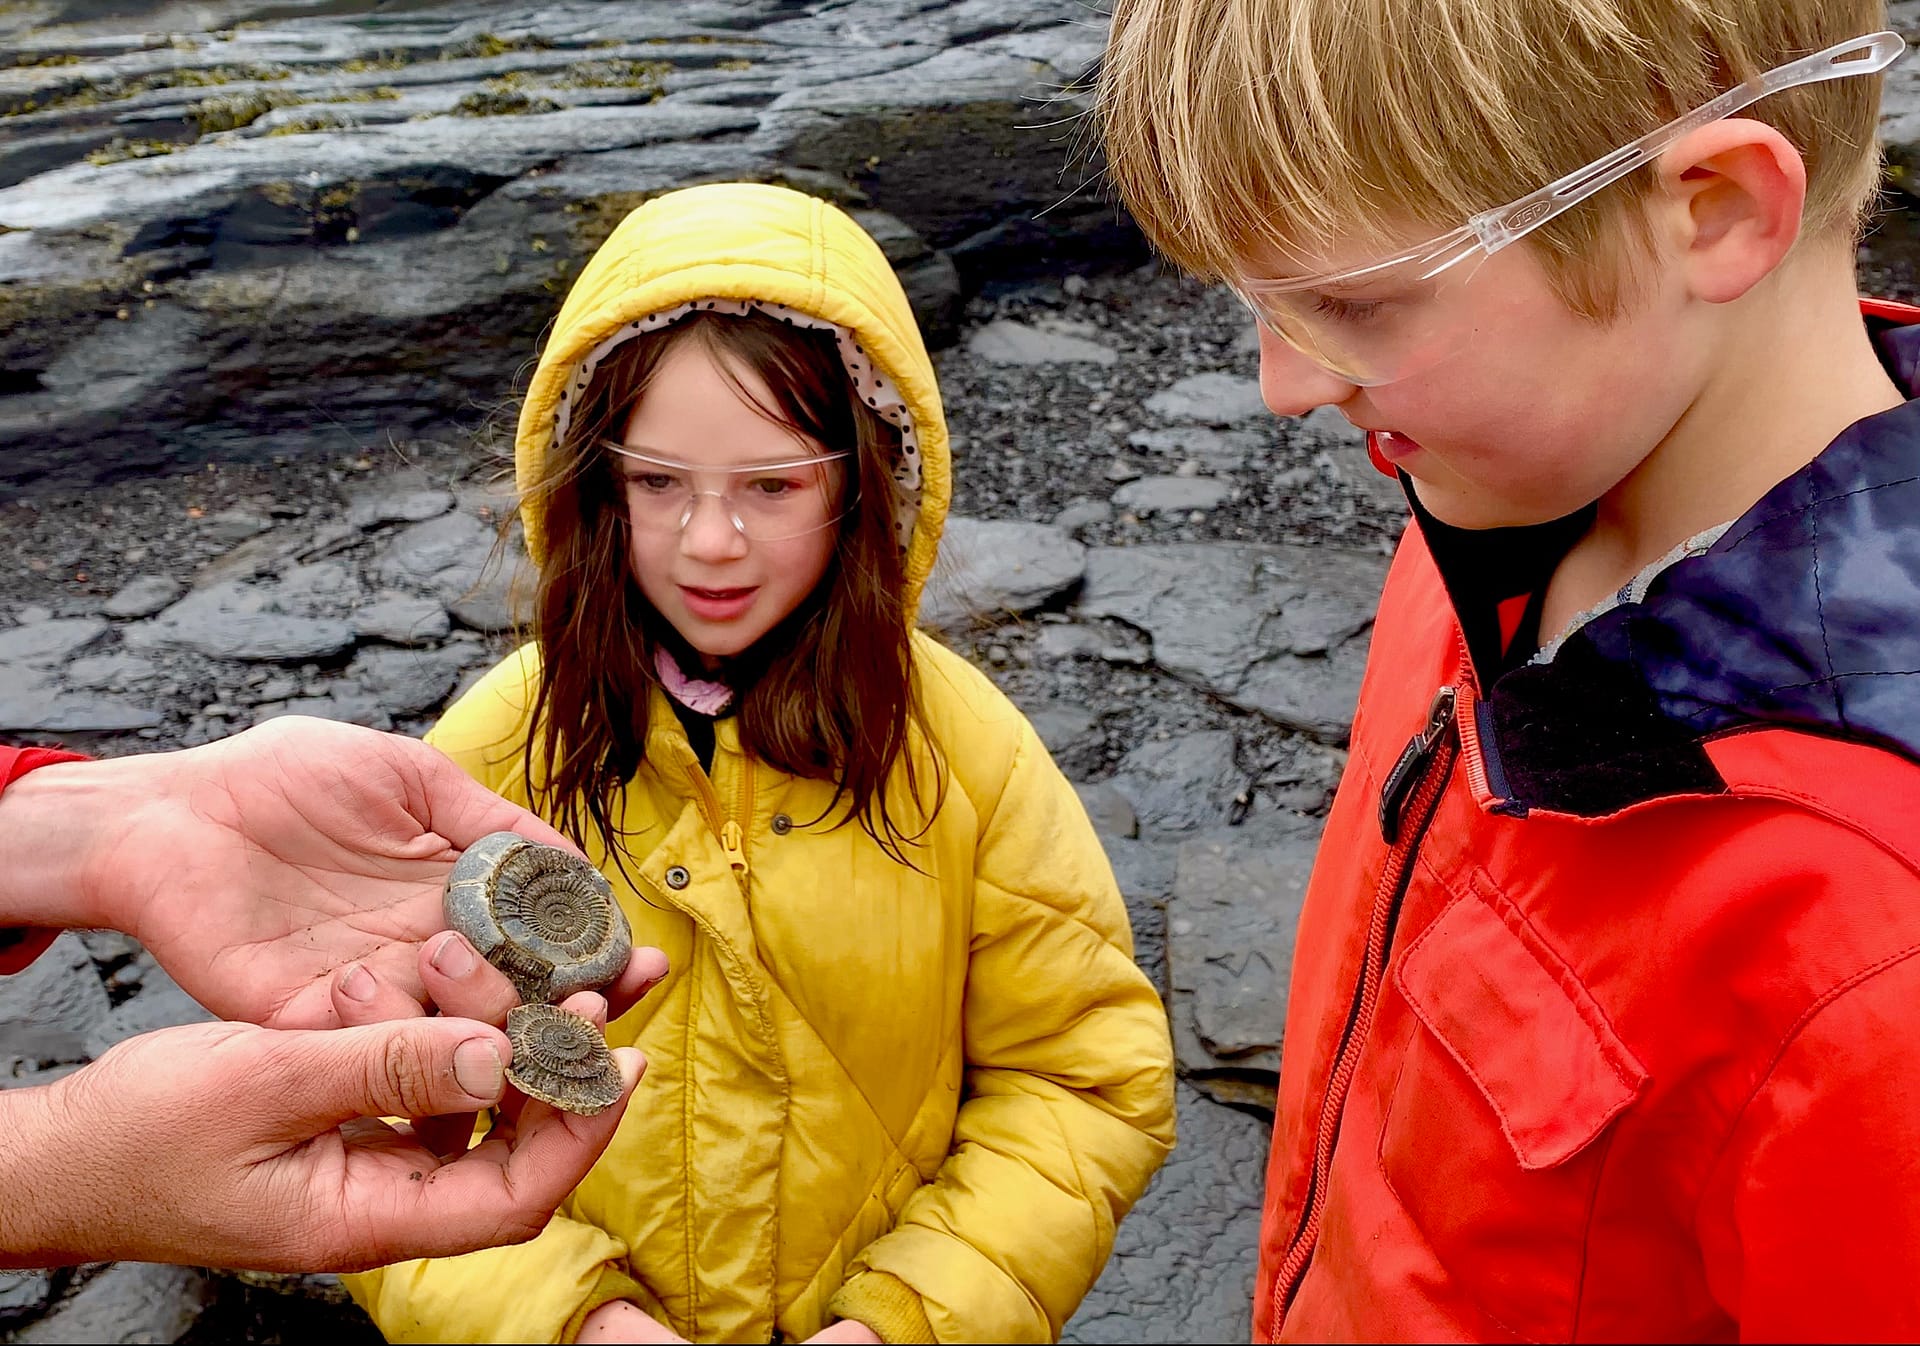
(1408, 772)
(733, 841)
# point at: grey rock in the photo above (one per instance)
(48, 1010)
(453, 558)
(1217, 450)
(144, 596)
(1067, 641)
(1211, 399)
(231, 526)
(1230, 928)
(1276, 629)
(30, 701)
(1183, 1263)
(128, 1301)
(23, 1294)
(1072, 735)
(404, 619)
(1110, 811)
(159, 1003)
(1004, 342)
(271, 620)
(109, 946)
(1080, 513)
(1177, 784)
(31, 614)
(991, 568)
(50, 641)
(373, 508)
(348, 707)
(1171, 495)
(407, 682)
(1144, 871)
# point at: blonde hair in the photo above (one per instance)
(1238, 127)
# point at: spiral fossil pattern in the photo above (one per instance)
(548, 920)
(562, 1059)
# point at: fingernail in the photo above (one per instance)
(356, 983)
(455, 957)
(478, 1069)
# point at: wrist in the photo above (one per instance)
(54, 822)
(35, 1130)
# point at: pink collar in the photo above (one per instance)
(704, 698)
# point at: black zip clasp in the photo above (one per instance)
(1412, 766)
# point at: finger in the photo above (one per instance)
(589, 1005)
(462, 983)
(505, 1189)
(405, 1068)
(646, 969)
(447, 1137)
(462, 810)
(363, 996)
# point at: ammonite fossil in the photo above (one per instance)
(561, 1058)
(541, 915)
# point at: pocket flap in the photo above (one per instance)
(1522, 1026)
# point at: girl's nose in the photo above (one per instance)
(1291, 384)
(711, 534)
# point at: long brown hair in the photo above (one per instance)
(832, 695)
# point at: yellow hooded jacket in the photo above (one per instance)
(922, 1100)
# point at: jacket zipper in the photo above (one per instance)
(733, 838)
(1408, 801)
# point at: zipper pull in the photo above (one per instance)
(733, 841)
(1411, 769)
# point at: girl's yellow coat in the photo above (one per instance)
(919, 1099)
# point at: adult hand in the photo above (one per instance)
(230, 1145)
(257, 868)
(847, 1330)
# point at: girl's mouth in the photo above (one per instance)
(717, 605)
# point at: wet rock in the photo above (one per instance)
(1276, 629)
(1144, 871)
(373, 508)
(1013, 343)
(1230, 927)
(48, 1010)
(1072, 735)
(23, 1294)
(269, 621)
(49, 641)
(128, 1301)
(407, 682)
(1183, 1263)
(159, 1003)
(403, 619)
(144, 597)
(1110, 811)
(32, 702)
(453, 558)
(990, 568)
(1211, 399)
(1171, 495)
(1177, 784)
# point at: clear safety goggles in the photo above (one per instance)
(1381, 322)
(765, 502)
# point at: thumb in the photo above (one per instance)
(400, 1068)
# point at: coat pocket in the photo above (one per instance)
(1510, 1078)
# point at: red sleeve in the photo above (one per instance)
(1811, 1222)
(19, 947)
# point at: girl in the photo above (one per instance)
(905, 1074)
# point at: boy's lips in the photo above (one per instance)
(1391, 446)
(717, 605)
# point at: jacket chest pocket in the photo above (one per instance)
(1495, 1135)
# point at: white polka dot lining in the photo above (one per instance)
(869, 381)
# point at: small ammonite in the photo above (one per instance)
(542, 915)
(561, 1058)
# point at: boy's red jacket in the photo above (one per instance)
(1605, 1011)
(18, 946)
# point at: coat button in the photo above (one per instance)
(677, 877)
(782, 824)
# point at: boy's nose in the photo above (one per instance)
(1291, 384)
(711, 535)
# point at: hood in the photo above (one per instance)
(743, 242)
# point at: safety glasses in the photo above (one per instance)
(1384, 321)
(765, 502)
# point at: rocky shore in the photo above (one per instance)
(268, 275)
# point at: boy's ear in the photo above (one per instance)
(1734, 192)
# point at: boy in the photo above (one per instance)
(1605, 1016)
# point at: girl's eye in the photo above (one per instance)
(773, 488)
(651, 482)
(1337, 309)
